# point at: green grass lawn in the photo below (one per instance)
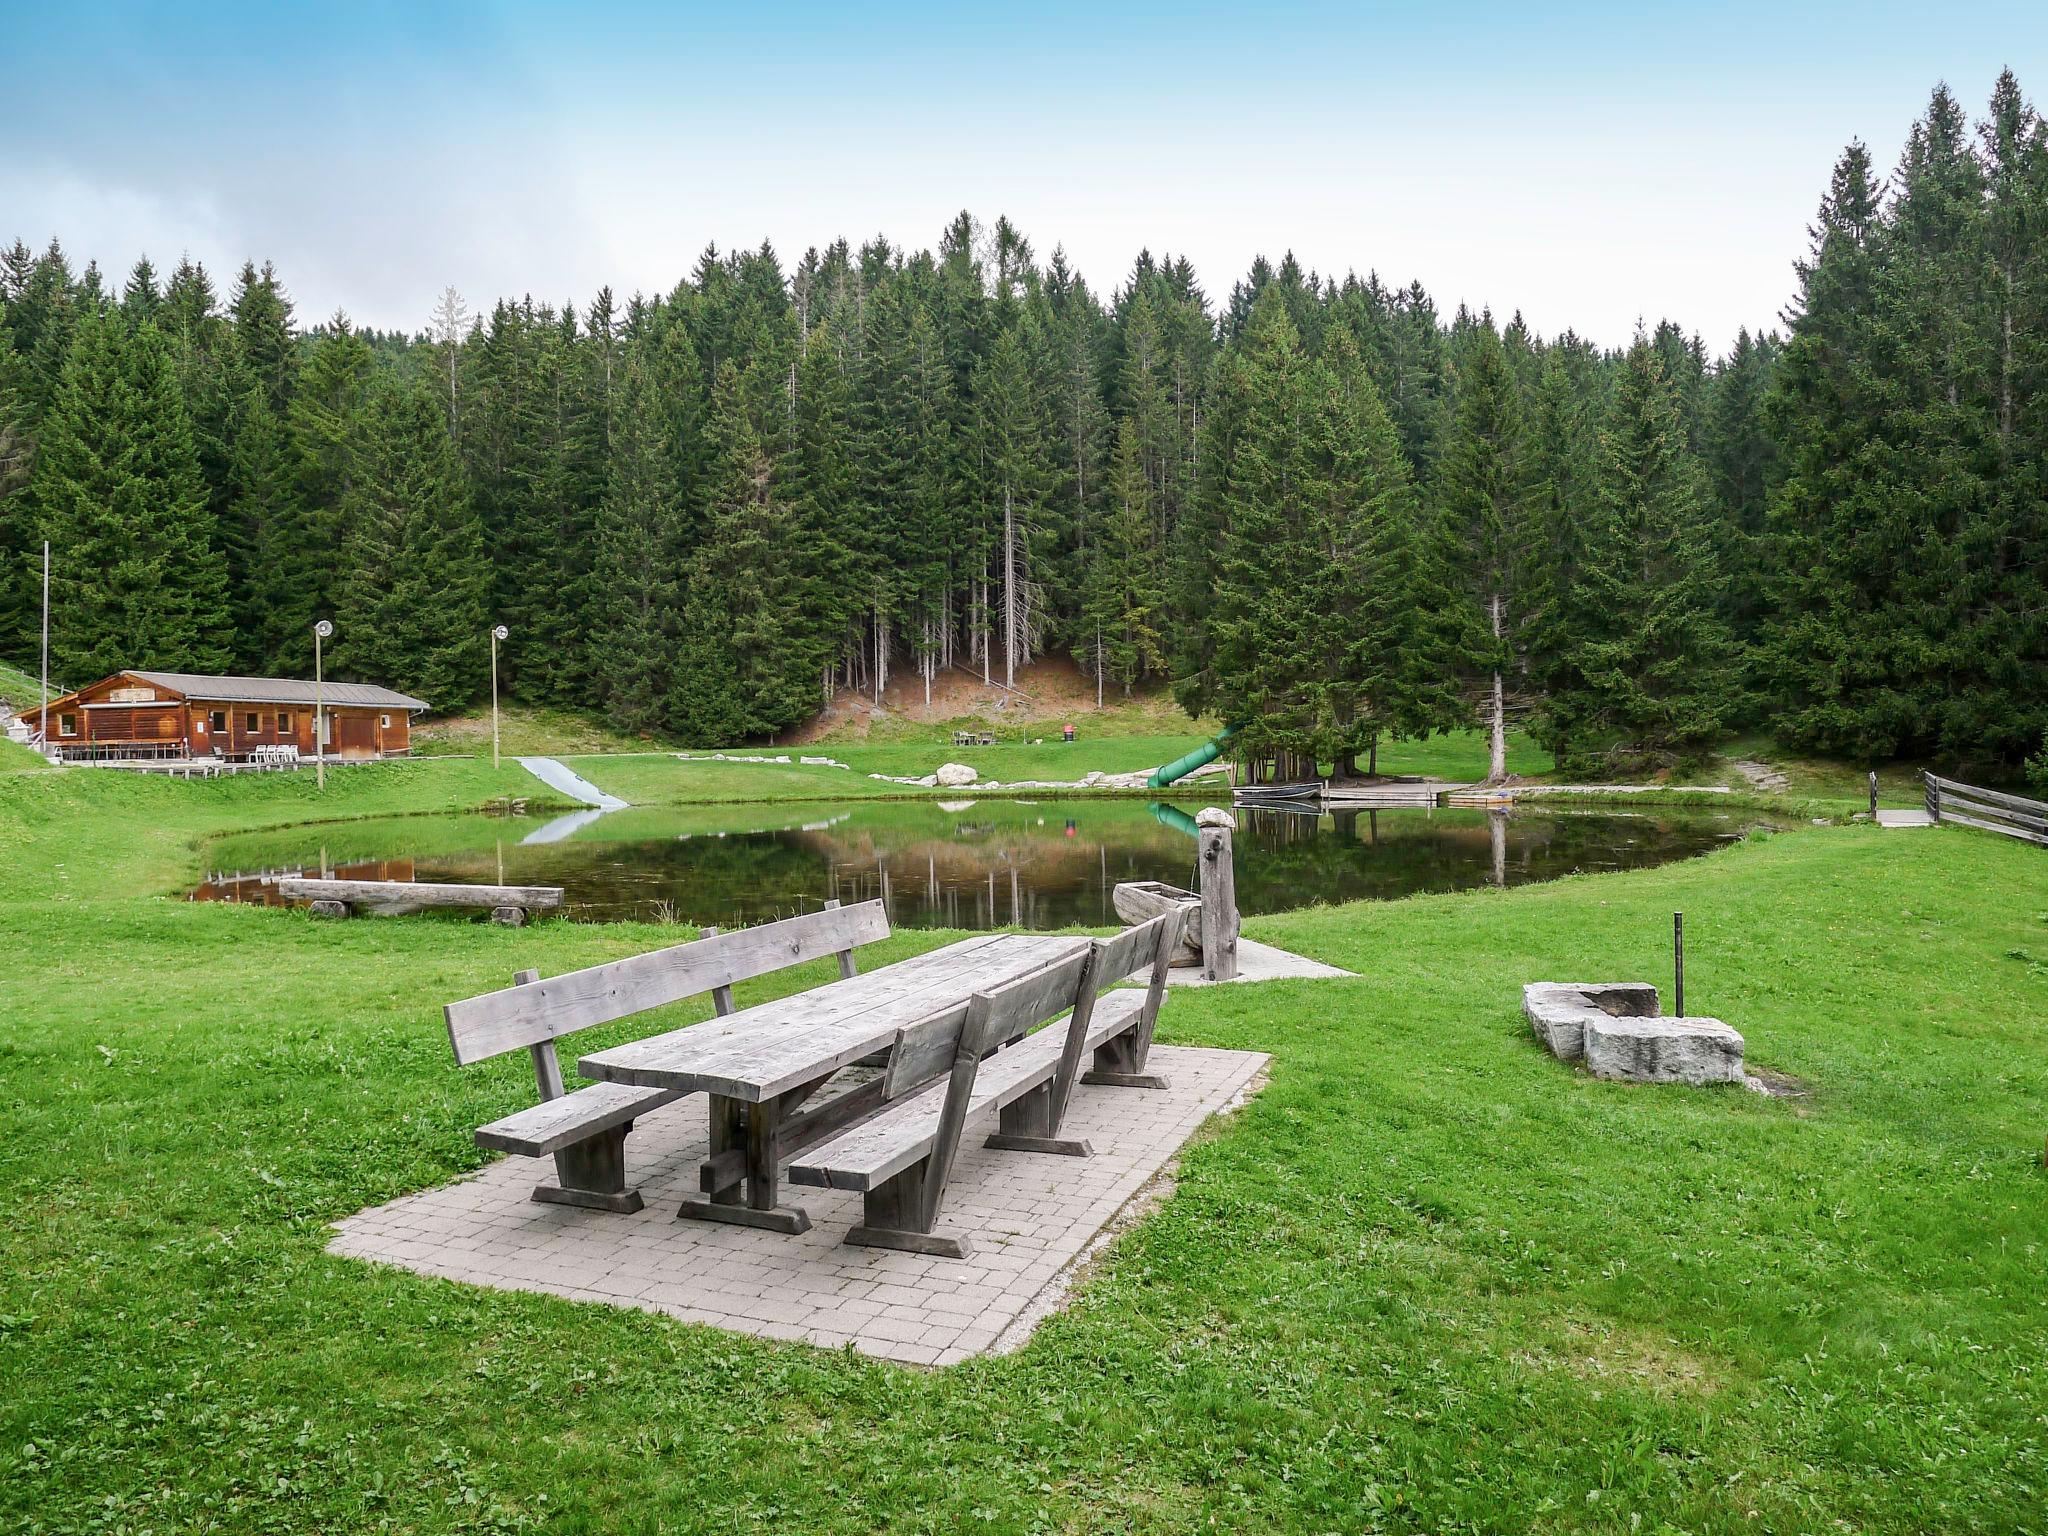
(654, 778)
(1429, 1280)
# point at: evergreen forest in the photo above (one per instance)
(1317, 506)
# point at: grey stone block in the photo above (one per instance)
(1681, 1050)
(1559, 1011)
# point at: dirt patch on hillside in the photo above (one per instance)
(1048, 693)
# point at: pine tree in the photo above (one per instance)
(1123, 595)
(263, 332)
(20, 546)
(116, 490)
(409, 610)
(639, 563)
(1742, 460)
(752, 654)
(1011, 442)
(324, 425)
(1652, 677)
(273, 602)
(1485, 499)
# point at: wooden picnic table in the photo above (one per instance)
(760, 1064)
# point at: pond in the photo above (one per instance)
(958, 863)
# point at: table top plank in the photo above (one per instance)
(767, 1049)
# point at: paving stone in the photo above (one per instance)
(1027, 1221)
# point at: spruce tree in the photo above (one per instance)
(639, 564)
(1484, 495)
(753, 657)
(1651, 679)
(116, 490)
(1123, 597)
(410, 605)
(324, 426)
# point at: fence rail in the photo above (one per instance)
(1990, 809)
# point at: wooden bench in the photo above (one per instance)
(989, 1057)
(585, 1129)
(509, 904)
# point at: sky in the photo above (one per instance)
(1589, 165)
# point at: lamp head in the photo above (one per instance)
(501, 633)
(323, 629)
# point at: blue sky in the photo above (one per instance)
(1587, 164)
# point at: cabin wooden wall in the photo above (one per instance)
(355, 730)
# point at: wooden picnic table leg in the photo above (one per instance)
(747, 1200)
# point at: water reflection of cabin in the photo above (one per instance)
(134, 715)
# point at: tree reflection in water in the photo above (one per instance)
(981, 864)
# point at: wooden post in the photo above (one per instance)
(1219, 895)
(1678, 965)
(1933, 796)
(1873, 794)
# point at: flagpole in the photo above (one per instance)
(43, 699)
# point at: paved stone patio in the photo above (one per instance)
(1029, 1219)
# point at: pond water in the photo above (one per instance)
(958, 863)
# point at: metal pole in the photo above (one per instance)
(1678, 964)
(321, 631)
(498, 632)
(43, 699)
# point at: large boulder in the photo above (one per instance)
(954, 776)
(1682, 1050)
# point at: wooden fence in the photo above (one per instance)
(1991, 809)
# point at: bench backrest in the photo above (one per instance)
(992, 1018)
(1146, 948)
(537, 1012)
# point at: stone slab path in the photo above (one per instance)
(1029, 1219)
(1258, 962)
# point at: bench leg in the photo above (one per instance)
(329, 909)
(892, 1216)
(1027, 1125)
(509, 917)
(593, 1173)
(744, 1138)
(1120, 1063)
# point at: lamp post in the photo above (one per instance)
(321, 631)
(498, 632)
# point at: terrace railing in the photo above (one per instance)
(1991, 809)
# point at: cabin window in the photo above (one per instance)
(252, 723)
(67, 725)
(384, 722)
(220, 721)
(284, 725)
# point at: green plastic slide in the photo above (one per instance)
(1201, 757)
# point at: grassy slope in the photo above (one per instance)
(20, 687)
(15, 758)
(1430, 1279)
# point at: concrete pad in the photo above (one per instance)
(1904, 819)
(1029, 1218)
(1258, 962)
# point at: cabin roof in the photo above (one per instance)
(275, 690)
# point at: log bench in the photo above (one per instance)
(960, 1066)
(585, 1129)
(509, 904)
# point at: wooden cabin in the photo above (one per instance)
(139, 715)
